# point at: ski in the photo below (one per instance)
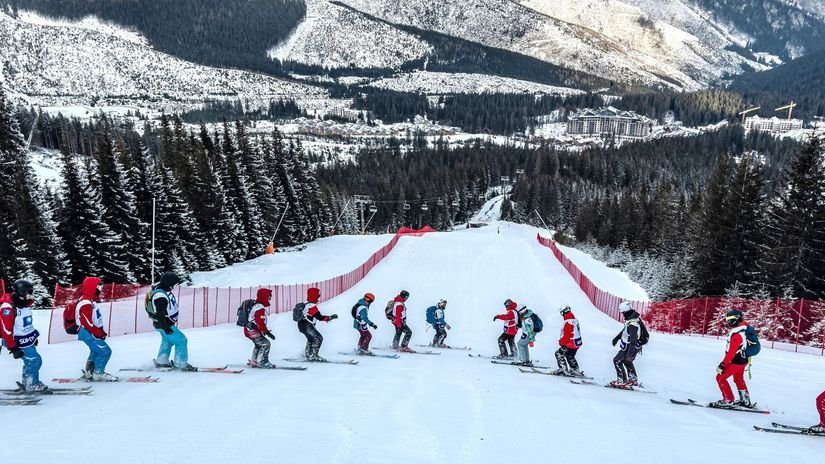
(374, 355)
(789, 427)
(556, 373)
(408, 352)
(20, 391)
(589, 382)
(213, 370)
(463, 348)
(274, 367)
(481, 356)
(789, 431)
(148, 379)
(517, 364)
(19, 401)
(690, 402)
(351, 362)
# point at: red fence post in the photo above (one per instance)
(774, 334)
(799, 323)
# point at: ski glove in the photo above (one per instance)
(16, 352)
(720, 368)
(448, 327)
(270, 335)
(495, 318)
(373, 326)
(616, 339)
(333, 317)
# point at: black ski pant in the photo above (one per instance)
(440, 335)
(404, 329)
(625, 370)
(503, 341)
(262, 346)
(566, 359)
(364, 340)
(314, 338)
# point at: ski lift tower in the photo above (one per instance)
(505, 182)
(361, 201)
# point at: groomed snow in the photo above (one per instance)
(421, 409)
(439, 83)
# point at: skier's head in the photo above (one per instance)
(734, 317)
(510, 304)
(369, 298)
(168, 280)
(22, 291)
(92, 288)
(564, 310)
(404, 295)
(523, 311)
(263, 296)
(442, 303)
(625, 307)
(313, 294)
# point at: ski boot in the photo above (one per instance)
(265, 365)
(406, 349)
(89, 370)
(38, 387)
(722, 404)
(504, 357)
(574, 373)
(744, 400)
(252, 363)
(361, 352)
(815, 430)
(618, 383)
(523, 363)
(187, 368)
(559, 372)
(163, 365)
(104, 377)
(441, 345)
(316, 358)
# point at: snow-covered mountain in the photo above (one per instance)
(51, 62)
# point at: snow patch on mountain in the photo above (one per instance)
(53, 63)
(436, 83)
(335, 37)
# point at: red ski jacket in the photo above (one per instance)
(570, 334)
(510, 319)
(88, 315)
(736, 344)
(400, 310)
(258, 314)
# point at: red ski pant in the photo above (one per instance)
(820, 405)
(738, 373)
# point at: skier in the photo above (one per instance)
(734, 363)
(362, 323)
(569, 342)
(630, 345)
(19, 335)
(439, 324)
(163, 310)
(257, 331)
(528, 336)
(91, 332)
(510, 319)
(307, 325)
(400, 322)
(820, 406)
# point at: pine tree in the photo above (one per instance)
(710, 237)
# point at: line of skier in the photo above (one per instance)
(85, 319)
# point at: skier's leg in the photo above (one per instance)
(511, 340)
(722, 381)
(397, 338)
(618, 363)
(31, 366)
(741, 386)
(407, 335)
(561, 359)
(570, 357)
(436, 336)
(303, 327)
(367, 338)
(256, 349)
(179, 341)
(84, 336)
(442, 332)
(102, 354)
(165, 349)
(820, 406)
(523, 349)
(317, 341)
(502, 339)
(265, 346)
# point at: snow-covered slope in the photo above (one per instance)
(436, 83)
(421, 409)
(603, 37)
(52, 62)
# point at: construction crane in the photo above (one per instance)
(749, 110)
(789, 107)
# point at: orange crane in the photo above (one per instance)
(749, 110)
(788, 107)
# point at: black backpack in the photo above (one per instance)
(537, 324)
(644, 335)
(389, 310)
(298, 311)
(243, 312)
(355, 311)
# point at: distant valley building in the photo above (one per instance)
(772, 125)
(608, 121)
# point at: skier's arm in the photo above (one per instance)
(735, 344)
(260, 320)
(161, 305)
(399, 313)
(7, 327)
(617, 338)
(362, 313)
(314, 313)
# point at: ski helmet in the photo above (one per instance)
(733, 317)
(404, 294)
(369, 297)
(564, 310)
(510, 304)
(168, 280)
(23, 289)
(625, 307)
(442, 303)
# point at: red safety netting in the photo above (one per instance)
(797, 325)
(122, 304)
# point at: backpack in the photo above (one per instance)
(388, 311)
(149, 306)
(70, 324)
(644, 335)
(298, 311)
(431, 315)
(753, 346)
(355, 311)
(243, 312)
(537, 324)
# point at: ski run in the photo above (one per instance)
(414, 409)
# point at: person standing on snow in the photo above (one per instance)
(91, 332)
(507, 338)
(628, 349)
(307, 325)
(570, 341)
(436, 313)
(257, 331)
(399, 311)
(164, 314)
(362, 323)
(734, 363)
(820, 406)
(528, 336)
(19, 335)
